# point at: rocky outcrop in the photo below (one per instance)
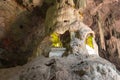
(22, 28)
(73, 67)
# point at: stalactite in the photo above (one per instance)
(101, 32)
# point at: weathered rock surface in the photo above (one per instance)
(20, 30)
(67, 68)
(109, 11)
(29, 29)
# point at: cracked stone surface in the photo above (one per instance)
(73, 67)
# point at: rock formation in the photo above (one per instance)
(82, 67)
(80, 64)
